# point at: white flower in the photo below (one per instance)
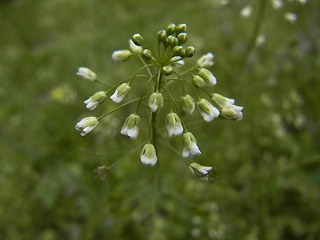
(188, 104)
(207, 76)
(180, 63)
(190, 145)
(207, 111)
(155, 101)
(174, 125)
(95, 99)
(86, 125)
(221, 100)
(261, 39)
(86, 73)
(232, 112)
(206, 60)
(148, 155)
(291, 17)
(200, 171)
(121, 55)
(131, 126)
(246, 11)
(120, 92)
(134, 48)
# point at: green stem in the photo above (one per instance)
(144, 63)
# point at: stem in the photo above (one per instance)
(144, 63)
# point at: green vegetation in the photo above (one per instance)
(268, 184)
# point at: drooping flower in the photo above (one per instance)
(221, 100)
(86, 125)
(207, 111)
(148, 155)
(200, 171)
(190, 145)
(131, 126)
(188, 104)
(95, 99)
(86, 73)
(155, 101)
(207, 76)
(121, 55)
(121, 92)
(205, 60)
(173, 125)
(232, 112)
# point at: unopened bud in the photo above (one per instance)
(134, 48)
(173, 41)
(178, 51)
(162, 35)
(146, 54)
(137, 39)
(190, 51)
(207, 76)
(167, 70)
(188, 104)
(181, 28)
(182, 38)
(155, 101)
(121, 55)
(198, 81)
(171, 28)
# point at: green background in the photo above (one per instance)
(268, 163)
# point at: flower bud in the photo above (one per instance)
(205, 60)
(178, 51)
(173, 124)
(134, 48)
(190, 145)
(175, 59)
(131, 126)
(173, 41)
(86, 125)
(181, 28)
(232, 112)
(198, 81)
(155, 101)
(190, 51)
(137, 39)
(182, 38)
(221, 100)
(200, 171)
(171, 28)
(188, 104)
(146, 54)
(148, 155)
(207, 76)
(207, 111)
(121, 92)
(167, 70)
(87, 73)
(95, 99)
(162, 35)
(121, 55)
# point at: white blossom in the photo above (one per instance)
(148, 155)
(207, 111)
(86, 125)
(131, 126)
(174, 125)
(190, 145)
(86, 73)
(205, 60)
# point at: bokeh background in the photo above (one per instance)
(267, 164)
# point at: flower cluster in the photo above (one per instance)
(179, 87)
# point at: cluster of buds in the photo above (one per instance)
(171, 72)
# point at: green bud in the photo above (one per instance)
(162, 35)
(173, 41)
(166, 42)
(98, 96)
(167, 70)
(188, 104)
(221, 100)
(181, 28)
(178, 51)
(198, 81)
(175, 59)
(147, 54)
(171, 28)
(121, 55)
(155, 101)
(137, 39)
(190, 51)
(182, 38)
(207, 76)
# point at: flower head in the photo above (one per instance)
(205, 60)
(207, 111)
(95, 99)
(173, 124)
(188, 104)
(86, 73)
(190, 145)
(121, 92)
(155, 101)
(148, 155)
(131, 126)
(86, 125)
(121, 55)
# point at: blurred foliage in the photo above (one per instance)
(268, 163)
